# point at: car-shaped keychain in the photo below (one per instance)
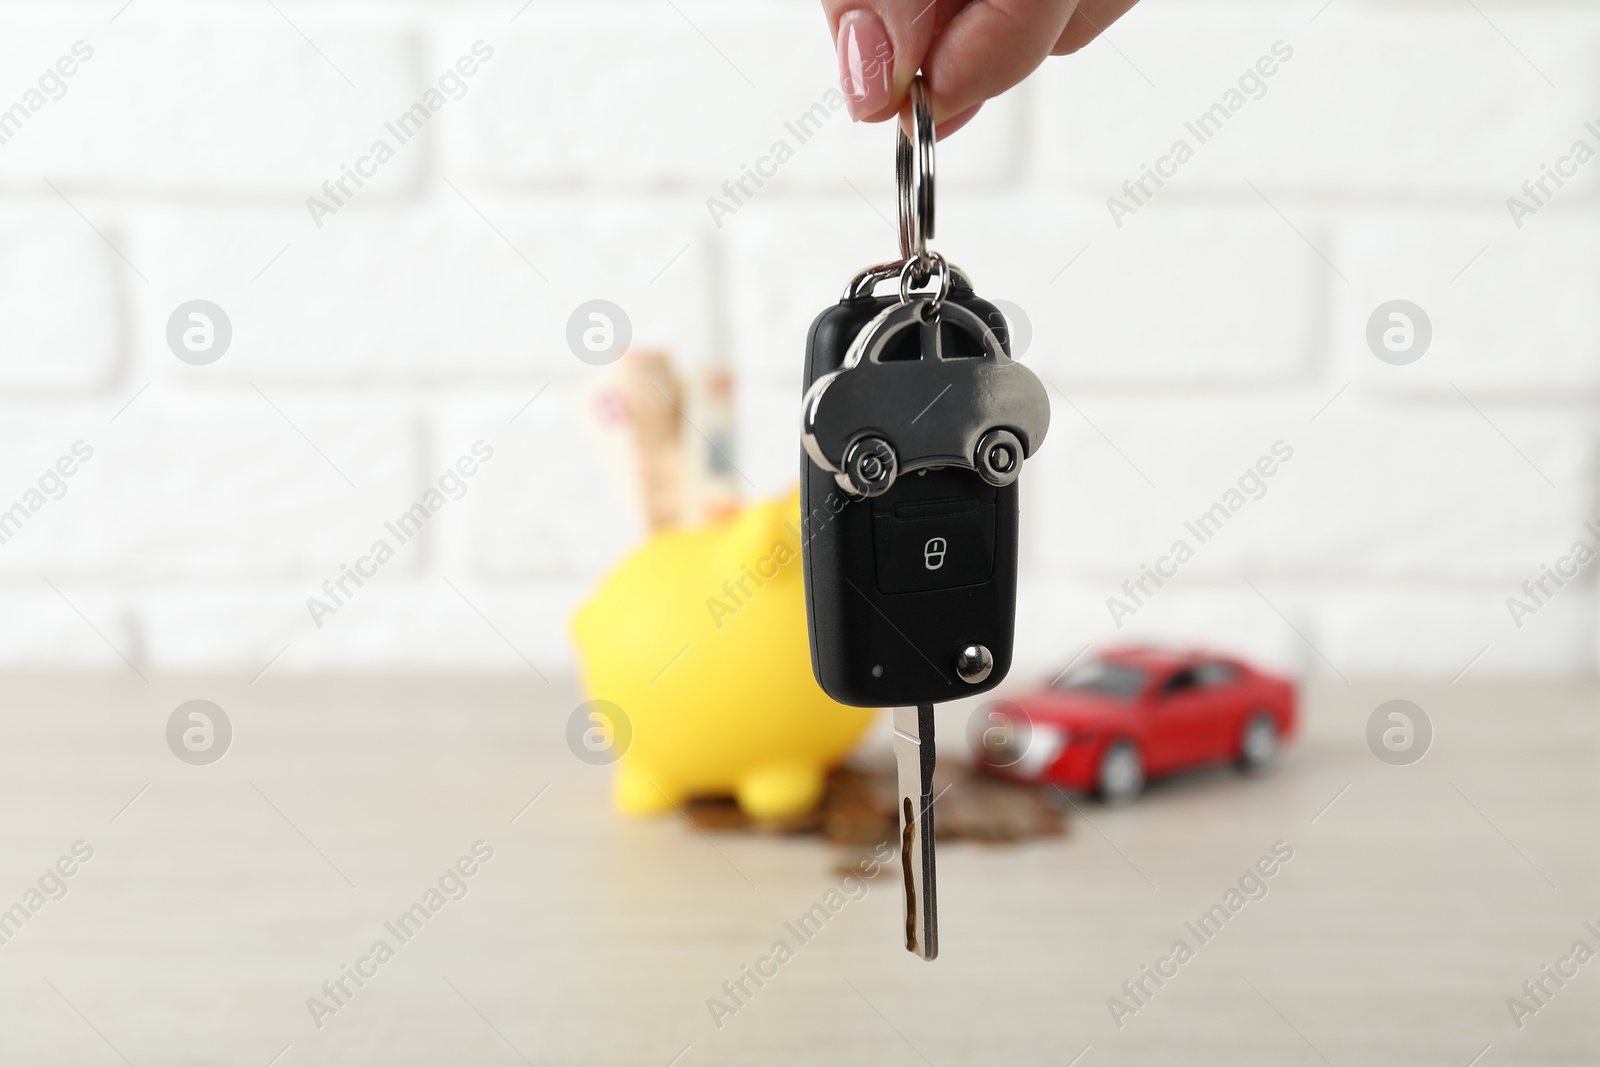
(926, 384)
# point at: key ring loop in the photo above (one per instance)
(863, 284)
(936, 267)
(913, 175)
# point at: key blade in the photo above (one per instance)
(914, 756)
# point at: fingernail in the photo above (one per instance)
(866, 63)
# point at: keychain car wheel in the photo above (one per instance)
(871, 466)
(1258, 743)
(998, 457)
(1121, 775)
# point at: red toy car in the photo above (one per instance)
(1108, 724)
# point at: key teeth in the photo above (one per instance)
(917, 868)
(930, 918)
(908, 830)
(914, 755)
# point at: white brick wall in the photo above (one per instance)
(1222, 315)
(58, 296)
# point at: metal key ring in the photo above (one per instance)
(863, 284)
(913, 173)
(938, 269)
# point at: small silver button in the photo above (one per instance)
(973, 663)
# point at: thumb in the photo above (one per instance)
(881, 43)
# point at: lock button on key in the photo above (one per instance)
(932, 545)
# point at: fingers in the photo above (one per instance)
(969, 50)
(1089, 22)
(950, 125)
(989, 46)
(881, 43)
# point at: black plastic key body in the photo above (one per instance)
(897, 585)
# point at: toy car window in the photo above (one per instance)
(1181, 681)
(907, 345)
(958, 344)
(1106, 679)
(1213, 675)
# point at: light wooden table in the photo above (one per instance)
(224, 896)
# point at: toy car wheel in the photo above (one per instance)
(871, 465)
(1258, 743)
(998, 457)
(1121, 775)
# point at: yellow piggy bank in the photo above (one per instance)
(700, 638)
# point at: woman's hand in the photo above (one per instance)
(968, 50)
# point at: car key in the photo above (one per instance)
(915, 426)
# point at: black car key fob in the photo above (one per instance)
(916, 423)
